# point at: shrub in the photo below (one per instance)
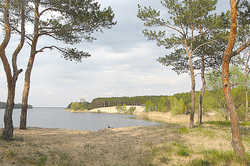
(178, 107)
(75, 106)
(149, 106)
(131, 110)
(121, 108)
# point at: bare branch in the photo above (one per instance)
(47, 10)
(203, 44)
(241, 48)
(49, 47)
(18, 31)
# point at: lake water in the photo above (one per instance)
(58, 118)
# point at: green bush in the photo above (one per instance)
(161, 105)
(149, 106)
(131, 110)
(177, 106)
(122, 109)
(75, 106)
(241, 112)
(79, 106)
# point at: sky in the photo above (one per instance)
(123, 63)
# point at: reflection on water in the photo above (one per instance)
(58, 118)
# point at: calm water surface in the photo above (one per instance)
(58, 118)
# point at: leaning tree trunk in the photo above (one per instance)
(8, 124)
(236, 139)
(203, 89)
(23, 117)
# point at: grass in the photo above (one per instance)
(9, 154)
(199, 162)
(168, 144)
(215, 157)
(204, 131)
(183, 130)
(227, 123)
(182, 150)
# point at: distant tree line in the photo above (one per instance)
(180, 103)
(19, 105)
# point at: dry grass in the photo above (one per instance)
(180, 119)
(168, 144)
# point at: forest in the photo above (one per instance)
(18, 105)
(180, 103)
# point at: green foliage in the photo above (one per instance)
(67, 21)
(177, 106)
(217, 157)
(124, 109)
(182, 150)
(183, 130)
(214, 99)
(19, 105)
(149, 106)
(227, 123)
(79, 106)
(131, 110)
(161, 107)
(174, 30)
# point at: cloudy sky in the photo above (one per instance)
(123, 63)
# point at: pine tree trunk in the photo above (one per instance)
(191, 67)
(203, 89)
(8, 124)
(191, 124)
(236, 139)
(23, 117)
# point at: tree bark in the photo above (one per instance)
(236, 139)
(203, 89)
(11, 80)
(8, 124)
(23, 117)
(191, 125)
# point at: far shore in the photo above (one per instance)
(165, 117)
(112, 110)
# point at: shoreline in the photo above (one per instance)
(165, 117)
(107, 110)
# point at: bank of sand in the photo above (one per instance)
(112, 110)
(155, 116)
